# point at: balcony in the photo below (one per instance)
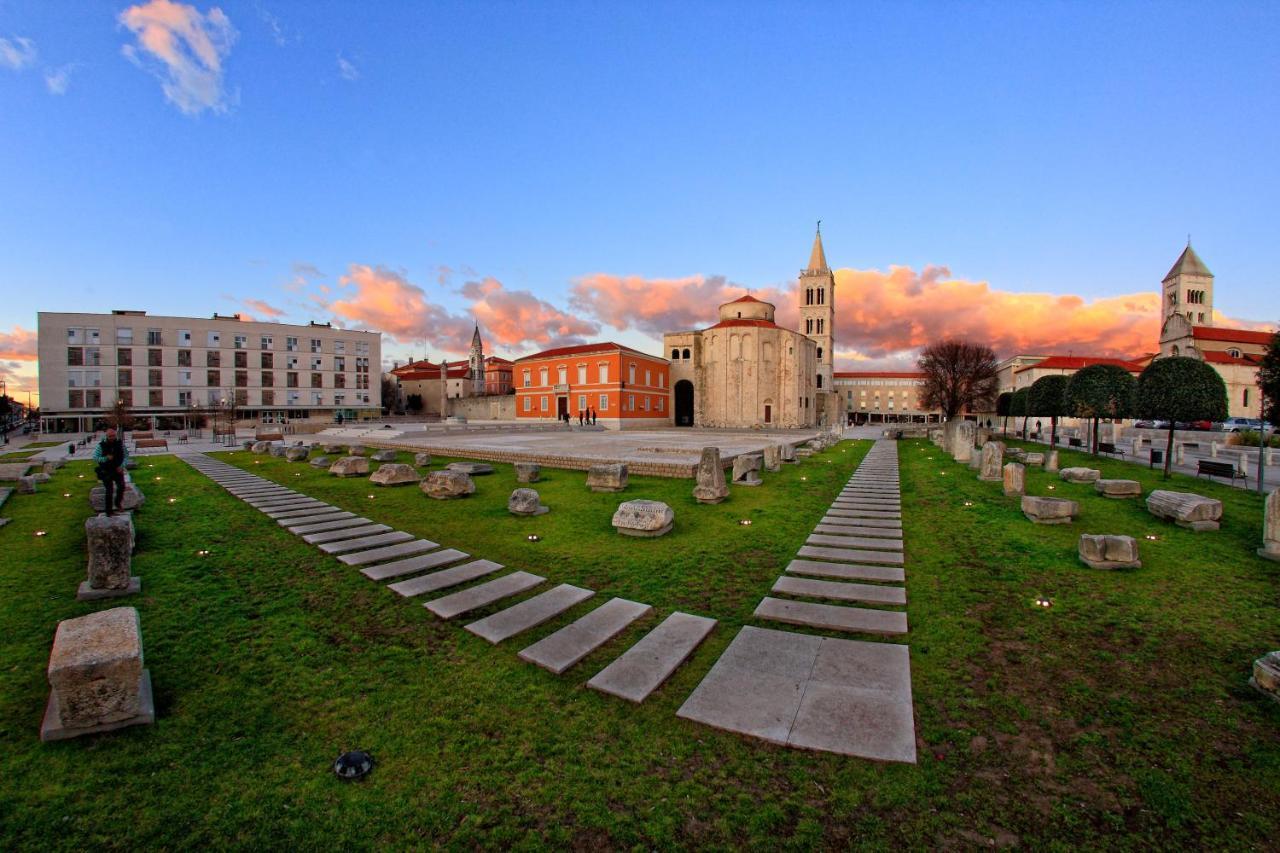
(562, 388)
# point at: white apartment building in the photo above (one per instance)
(170, 368)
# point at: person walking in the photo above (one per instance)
(109, 459)
(593, 416)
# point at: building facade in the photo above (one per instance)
(878, 396)
(625, 388)
(1065, 365)
(170, 368)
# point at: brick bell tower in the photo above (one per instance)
(818, 310)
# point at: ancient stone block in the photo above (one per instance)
(643, 518)
(394, 474)
(1033, 458)
(992, 462)
(1014, 479)
(96, 675)
(975, 461)
(772, 458)
(1271, 528)
(528, 472)
(446, 485)
(27, 485)
(525, 502)
(746, 469)
(356, 450)
(1118, 489)
(710, 487)
(422, 460)
(384, 456)
(1266, 674)
(109, 542)
(788, 452)
(1185, 509)
(1049, 510)
(321, 462)
(330, 447)
(1108, 552)
(471, 469)
(296, 454)
(279, 450)
(350, 466)
(607, 478)
(133, 497)
(41, 478)
(260, 447)
(1080, 475)
(1051, 461)
(961, 448)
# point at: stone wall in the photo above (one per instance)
(498, 408)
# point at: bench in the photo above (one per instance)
(1075, 442)
(269, 436)
(143, 435)
(1217, 469)
(1109, 448)
(141, 443)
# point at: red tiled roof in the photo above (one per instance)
(1237, 336)
(764, 324)
(1075, 362)
(878, 374)
(1218, 357)
(582, 349)
(746, 298)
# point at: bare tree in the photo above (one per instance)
(958, 375)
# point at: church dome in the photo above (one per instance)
(747, 308)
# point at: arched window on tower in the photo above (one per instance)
(808, 326)
(822, 296)
(675, 355)
(685, 354)
(819, 353)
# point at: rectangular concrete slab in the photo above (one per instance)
(821, 568)
(412, 565)
(528, 614)
(641, 669)
(833, 617)
(870, 542)
(348, 545)
(473, 598)
(444, 579)
(389, 552)
(863, 513)
(332, 521)
(885, 523)
(561, 650)
(853, 530)
(838, 591)
(281, 503)
(346, 533)
(851, 555)
(279, 515)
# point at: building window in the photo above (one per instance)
(339, 364)
(154, 357)
(242, 379)
(291, 344)
(528, 379)
(822, 296)
(604, 403)
(213, 358)
(340, 347)
(184, 358)
(604, 372)
(184, 398)
(268, 379)
(662, 380)
(268, 360)
(808, 326)
(648, 378)
(184, 377)
(562, 374)
(242, 359)
(213, 378)
(544, 404)
(675, 355)
(631, 402)
(155, 338)
(582, 376)
(269, 398)
(645, 402)
(822, 324)
(213, 339)
(339, 380)
(1234, 353)
(184, 337)
(75, 336)
(124, 357)
(155, 378)
(125, 398)
(124, 336)
(242, 341)
(1246, 397)
(315, 344)
(819, 353)
(266, 342)
(660, 403)
(582, 402)
(75, 399)
(528, 404)
(75, 356)
(317, 398)
(291, 380)
(124, 377)
(317, 364)
(155, 398)
(317, 380)
(631, 373)
(684, 353)
(819, 380)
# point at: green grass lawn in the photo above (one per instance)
(15, 455)
(1122, 709)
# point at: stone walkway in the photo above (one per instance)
(847, 696)
(420, 566)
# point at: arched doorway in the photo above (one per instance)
(684, 403)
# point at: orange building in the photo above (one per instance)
(626, 388)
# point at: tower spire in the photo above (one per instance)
(817, 257)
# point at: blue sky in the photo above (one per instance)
(419, 164)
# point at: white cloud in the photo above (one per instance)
(347, 70)
(184, 49)
(56, 80)
(17, 53)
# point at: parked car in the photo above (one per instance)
(1241, 424)
(1195, 426)
(1152, 424)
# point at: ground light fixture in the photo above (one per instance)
(1152, 537)
(533, 537)
(353, 765)
(1043, 603)
(371, 497)
(42, 533)
(173, 500)
(746, 522)
(968, 503)
(66, 494)
(804, 478)
(1051, 487)
(203, 552)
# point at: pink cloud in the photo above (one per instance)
(261, 308)
(518, 320)
(184, 49)
(659, 305)
(18, 344)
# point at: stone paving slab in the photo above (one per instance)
(859, 506)
(255, 492)
(389, 552)
(293, 504)
(473, 598)
(413, 565)
(275, 503)
(854, 530)
(337, 521)
(838, 591)
(851, 555)
(833, 617)
(348, 533)
(821, 568)
(863, 513)
(529, 613)
(874, 543)
(864, 499)
(444, 579)
(642, 669)
(287, 517)
(561, 650)
(880, 523)
(348, 545)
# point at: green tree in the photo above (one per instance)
(1019, 407)
(1100, 391)
(1047, 396)
(1179, 388)
(1269, 381)
(1002, 409)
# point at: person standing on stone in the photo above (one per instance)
(109, 459)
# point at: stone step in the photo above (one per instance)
(291, 506)
(851, 555)
(443, 579)
(413, 565)
(821, 568)
(871, 542)
(267, 500)
(878, 523)
(833, 617)
(530, 613)
(279, 515)
(838, 591)
(473, 598)
(261, 492)
(389, 552)
(863, 513)
(321, 523)
(349, 545)
(849, 530)
(642, 669)
(347, 533)
(561, 650)
(864, 506)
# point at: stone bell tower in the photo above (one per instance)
(475, 364)
(818, 310)
(1188, 289)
